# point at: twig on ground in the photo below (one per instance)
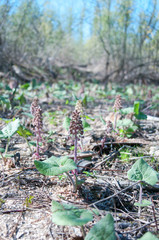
(136, 229)
(104, 199)
(153, 209)
(15, 227)
(110, 157)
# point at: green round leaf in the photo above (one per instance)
(127, 110)
(143, 204)
(149, 236)
(142, 171)
(55, 165)
(11, 128)
(66, 214)
(103, 230)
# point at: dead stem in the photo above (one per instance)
(104, 199)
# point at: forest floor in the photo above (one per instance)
(26, 195)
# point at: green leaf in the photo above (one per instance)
(2, 150)
(103, 230)
(66, 123)
(33, 83)
(136, 108)
(67, 214)
(144, 203)
(25, 86)
(11, 128)
(129, 131)
(55, 165)
(142, 171)
(86, 125)
(1, 134)
(33, 143)
(129, 91)
(148, 236)
(87, 117)
(141, 115)
(8, 88)
(102, 120)
(84, 101)
(24, 132)
(22, 99)
(75, 97)
(125, 123)
(127, 110)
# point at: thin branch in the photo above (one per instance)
(104, 199)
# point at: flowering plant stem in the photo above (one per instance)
(38, 140)
(75, 160)
(37, 144)
(140, 198)
(75, 150)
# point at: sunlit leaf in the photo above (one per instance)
(127, 110)
(55, 165)
(103, 230)
(142, 171)
(24, 132)
(136, 108)
(22, 99)
(84, 101)
(69, 215)
(11, 128)
(86, 125)
(149, 236)
(144, 203)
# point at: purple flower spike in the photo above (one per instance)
(37, 122)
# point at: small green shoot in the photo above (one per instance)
(25, 133)
(90, 174)
(1, 202)
(139, 115)
(125, 154)
(28, 201)
(126, 127)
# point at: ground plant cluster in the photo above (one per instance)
(79, 160)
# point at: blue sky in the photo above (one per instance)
(62, 7)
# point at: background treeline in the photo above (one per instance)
(122, 41)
